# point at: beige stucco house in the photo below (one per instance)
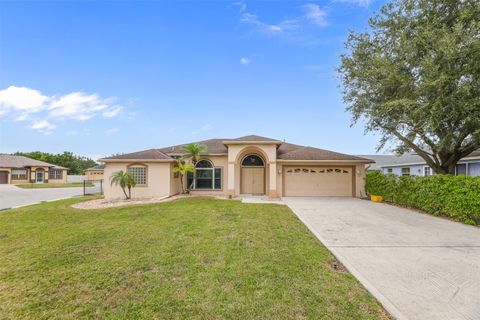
(95, 172)
(19, 169)
(246, 165)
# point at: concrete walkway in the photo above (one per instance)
(418, 266)
(11, 196)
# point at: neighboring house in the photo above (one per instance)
(414, 165)
(20, 169)
(246, 165)
(95, 173)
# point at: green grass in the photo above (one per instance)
(186, 259)
(52, 185)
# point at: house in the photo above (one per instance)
(414, 165)
(95, 172)
(20, 169)
(246, 165)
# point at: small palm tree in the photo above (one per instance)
(193, 151)
(125, 180)
(183, 168)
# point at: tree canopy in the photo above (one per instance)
(415, 78)
(75, 164)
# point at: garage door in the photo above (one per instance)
(3, 177)
(318, 181)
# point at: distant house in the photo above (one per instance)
(414, 165)
(95, 172)
(20, 169)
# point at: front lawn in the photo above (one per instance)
(52, 185)
(186, 259)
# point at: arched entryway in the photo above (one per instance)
(252, 175)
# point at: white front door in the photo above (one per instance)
(39, 175)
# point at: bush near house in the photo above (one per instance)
(457, 197)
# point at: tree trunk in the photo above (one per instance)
(125, 193)
(129, 192)
(181, 183)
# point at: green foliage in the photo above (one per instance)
(415, 78)
(193, 152)
(182, 169)
(75, 164)
(125, 180)
(457, 197)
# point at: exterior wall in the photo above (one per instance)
(237, 152)
(175, 187)
(31, 176)
(158, 180)
(358, 172)
(473, 168)
(94, 174)
(218, 162)
(60, 181)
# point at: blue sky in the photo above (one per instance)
(98, 78)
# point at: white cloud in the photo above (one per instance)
(245, 61)
(112, 131)
(22, 103)
(204, 128)
(315, 15)
(242, 6)
(43, 126)
(283, 26)
(22, 99)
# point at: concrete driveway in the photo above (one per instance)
(11, 196)
(418, 266)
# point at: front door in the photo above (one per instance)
(39, 176)
(253, 180)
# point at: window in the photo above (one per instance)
(461, 169)
(405, 171)
(139, 174)
(427, 171)
(252, 161)
(389, 170)
(55, 174)
(19, 174)
(205, 176)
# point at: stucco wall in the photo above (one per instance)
(158, 180)
(94, 174)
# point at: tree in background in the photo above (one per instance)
(415, 78)
(125, 180)
(75, 164)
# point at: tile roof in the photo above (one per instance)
(11, 161)
(285, 151)
(97, 167)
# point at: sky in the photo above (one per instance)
(99, 78)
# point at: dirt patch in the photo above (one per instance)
(335, 265)
(103, 203)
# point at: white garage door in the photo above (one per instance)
(318, 181)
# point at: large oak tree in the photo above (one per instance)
(415, 78)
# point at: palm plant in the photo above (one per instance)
(193, 151)
(182, 169)
(125, 180)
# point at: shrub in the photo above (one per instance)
(457, 197)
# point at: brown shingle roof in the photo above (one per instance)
(151, 154)
(252, 138)
(285, 151)
(310, 153)
(11, 161)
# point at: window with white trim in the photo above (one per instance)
(406, 171)
(19, 174)
(389, 170)
(427, 171)
(139, 174)
(206, 176)
(55, 174)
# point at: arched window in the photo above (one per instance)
(206, 176)
(252, 161)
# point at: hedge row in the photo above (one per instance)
(457, 197)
